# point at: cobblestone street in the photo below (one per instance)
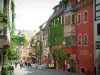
(32, 71)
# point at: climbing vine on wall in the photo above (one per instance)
(3, 19)
(13, 15)
(39, 46)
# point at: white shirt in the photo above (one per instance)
(68, 66)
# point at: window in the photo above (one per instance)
(61, 19)
(73, 41)
(85, 39)
(65, 20)
(54, 23)
(73, 19)
(68, 41)
(98, 29)
(85, 16)
(68, 20)
(48, 30)
(46, 44)
(78, 18)
(79, 40)
(58, 20)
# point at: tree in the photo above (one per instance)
(38, 45)
(14, 43)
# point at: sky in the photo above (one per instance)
(30, 14)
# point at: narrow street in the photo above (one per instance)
(32, 71)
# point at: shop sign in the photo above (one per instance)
(84, 52)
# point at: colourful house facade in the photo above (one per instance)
(56, 36)
(45, 31)
(72, 22)
(78, 34)
(84, 34)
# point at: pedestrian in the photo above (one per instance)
(36, 65)
(25, 63)
(21, 65)
(16, 64)
(68, 68)
(12, 68)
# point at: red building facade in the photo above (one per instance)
(79, 33)
(84, 34)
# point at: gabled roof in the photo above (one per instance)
(54, 15)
